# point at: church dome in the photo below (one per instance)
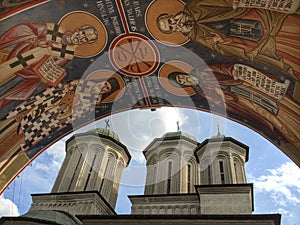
(178, 134)
(107, 132)
(58, 217)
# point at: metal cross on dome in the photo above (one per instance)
(107, 126)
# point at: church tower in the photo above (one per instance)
(187, 183)
(187, 177)
(88, 181)
(172, 172)
(223, 186)
(171, 165)
(222, 161)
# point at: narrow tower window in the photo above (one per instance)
(90, 172)
(76, 173)
(154, 184)
(189, 178)
(104, 174)
(236, 173)
(222, 175)
(208, 174)
(169, 177)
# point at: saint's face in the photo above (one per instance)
(186, 80)
(181, 22)
(83, 36)
(168, 24)
(105, 87)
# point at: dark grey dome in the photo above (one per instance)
(58, 217)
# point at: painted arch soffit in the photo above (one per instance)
(64, 64)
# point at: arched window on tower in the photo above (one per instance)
(236, 172)
(154, 179)
(75, 176)
(222, 173)
(107, 179)
(169, 177)
(189, 177)
(104, 174)
(208, 174)
(205, 173)
(90, 172)
(239, 171)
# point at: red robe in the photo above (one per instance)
(20, 39)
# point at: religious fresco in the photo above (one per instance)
(65, 64)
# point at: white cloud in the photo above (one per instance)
(40, 175)
(56, 154)
(57, 151)
(50, 161)
(289, 216)
(282, 183)
(139, 127)
(36, 178)
(7, 207)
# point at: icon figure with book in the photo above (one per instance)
(268, 35)
(230, 86)
(37, 52)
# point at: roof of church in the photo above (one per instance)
(107, 132)
(58, 217)
(101, 132)
(172, 136)
(223, 138)
(178, 134)
(182, 219)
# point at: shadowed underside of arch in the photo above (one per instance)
(66, 64)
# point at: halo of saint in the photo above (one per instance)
(109, 75)
(75, 19)
(154, 10)
(170, 67)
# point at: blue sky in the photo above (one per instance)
(276, 179)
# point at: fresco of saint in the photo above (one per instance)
(57, 107)
(221, 86)
(258, 35)
(24, 46)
